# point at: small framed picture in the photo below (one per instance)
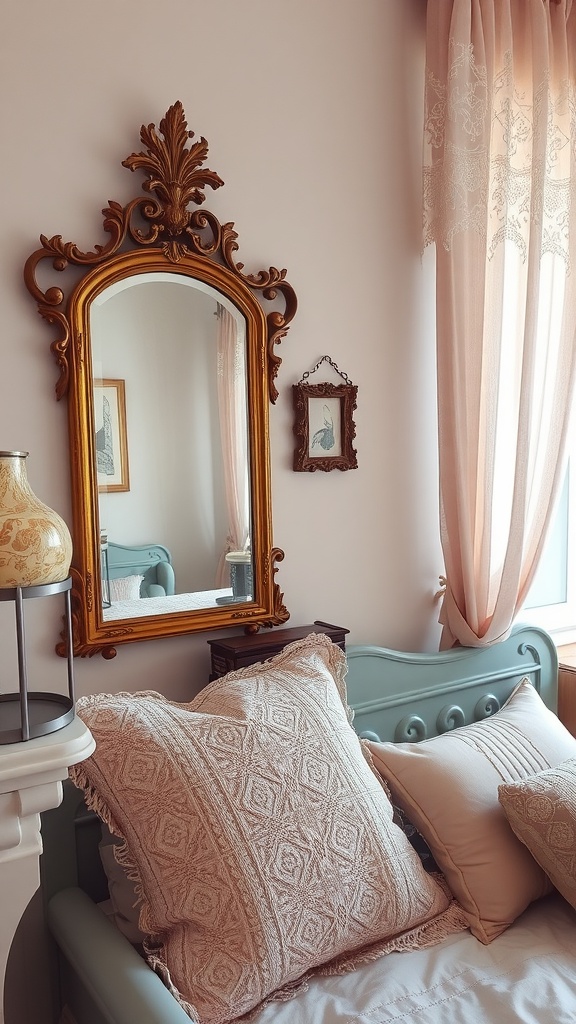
(324, 426)
(111, 437)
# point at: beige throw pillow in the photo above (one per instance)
(542, 812)
(448, 786)
(262, 840)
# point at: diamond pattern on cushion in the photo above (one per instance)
(289, 863)
(315, 773)
(262, 839)
(343, 838)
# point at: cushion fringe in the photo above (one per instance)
(160, 968)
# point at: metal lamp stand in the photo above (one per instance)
(26, 715)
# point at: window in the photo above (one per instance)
(551, 602)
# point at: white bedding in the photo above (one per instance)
(525, 976)
(163, 605)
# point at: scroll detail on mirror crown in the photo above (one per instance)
(173, 171)
(177, 178)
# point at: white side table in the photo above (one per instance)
(31, 776)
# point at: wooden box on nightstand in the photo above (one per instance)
(238, 651)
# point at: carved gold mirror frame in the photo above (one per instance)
(150, 237)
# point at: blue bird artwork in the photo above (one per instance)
(325, 436)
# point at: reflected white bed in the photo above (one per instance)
(164, 605)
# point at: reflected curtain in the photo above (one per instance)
(234, 434)
(499, 206)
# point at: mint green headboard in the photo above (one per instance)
(399, 696)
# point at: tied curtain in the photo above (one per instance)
(231, 374)
(500, 209)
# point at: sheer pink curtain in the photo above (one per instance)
(234, 433)
(499, 196)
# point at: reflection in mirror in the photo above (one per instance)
(167, 355)
(179, 348)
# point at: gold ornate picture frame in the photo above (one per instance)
(324, 427)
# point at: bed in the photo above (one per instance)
(143, 568)
(407, 706)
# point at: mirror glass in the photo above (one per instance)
(171, 352)
(167, 351)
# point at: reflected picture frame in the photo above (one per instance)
(111, 437)
(324, 427)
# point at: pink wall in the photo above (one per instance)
(313, 116)
(313, 113)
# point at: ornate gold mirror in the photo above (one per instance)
(166, 350)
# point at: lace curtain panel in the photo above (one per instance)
(499, 206)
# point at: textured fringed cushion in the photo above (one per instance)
(542, 812)
(261, 839)
(448, 787)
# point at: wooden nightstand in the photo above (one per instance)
(238, 651)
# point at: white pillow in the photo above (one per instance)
(127, 588)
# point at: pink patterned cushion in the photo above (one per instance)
(262, 840)
(542, 812)
(448, 787)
